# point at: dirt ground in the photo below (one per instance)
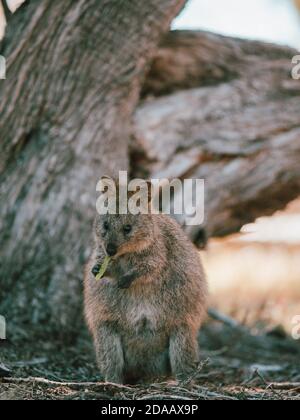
(236, 365)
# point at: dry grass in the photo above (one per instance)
(255, 282)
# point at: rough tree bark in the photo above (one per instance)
(74, 76)
(235, 123)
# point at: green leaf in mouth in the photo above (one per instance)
(103, 268)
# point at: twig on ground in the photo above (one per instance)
(194, 375)
(4, 371)
(73, 385)
(33, 362)
(285, 386)
(224, 319)
(164, 397)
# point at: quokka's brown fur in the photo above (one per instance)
(145, 314)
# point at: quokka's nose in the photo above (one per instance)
(111, 249)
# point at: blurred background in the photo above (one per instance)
(254, 276)
(275, 21)
(267, 20)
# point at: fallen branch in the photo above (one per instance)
(285, 386)
(93, 386)
(227, 111)
(156, 391)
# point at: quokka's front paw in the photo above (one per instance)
(125, 282)
(96, 269)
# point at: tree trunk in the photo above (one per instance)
(73, 80)
(235, 123)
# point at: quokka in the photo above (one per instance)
(145, 314)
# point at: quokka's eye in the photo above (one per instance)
(127, 229)
(105, 225)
